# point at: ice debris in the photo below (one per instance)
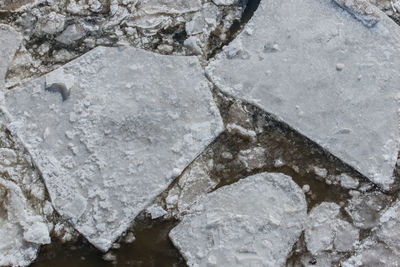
(10, 41)
(55, 32)
(382, 247)
(365, 209)
(22, 231)
(287, 66)
(327, 232)
(133, 120)
(367, 13)
(253, 222)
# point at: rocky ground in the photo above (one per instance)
(199, 133)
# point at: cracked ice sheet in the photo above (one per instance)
(319, 69)
(10, 41)
(132, 122)
(253, 222)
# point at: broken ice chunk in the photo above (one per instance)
(21, 230)
(367, 13)
(382, 247)
(325, 231)
(156, 211)
(170, 6)
(253, 222)
(10, 41)
(354, 119)
(347, 181)
(130, 140)
(365, 209)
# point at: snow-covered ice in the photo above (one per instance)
(21, 230)
(10, 41)
(133, 120)
(365, 209)
(319, 69)
(367, 13)
(326, 231)
(170, 6)
(383, 246)
(194, 183)
(253, 222)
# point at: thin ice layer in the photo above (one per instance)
(132, 120)
(253, 222)
(322, 71)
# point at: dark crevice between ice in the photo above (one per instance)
(216, 45)
(280, 141)
(298, 154)
(151, 247)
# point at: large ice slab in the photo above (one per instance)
(110, 130)
(10, 41)
(321, 70)
(253, 222)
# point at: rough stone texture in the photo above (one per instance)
(132, 122)
(10, 41)
(325, 74)
(21, 230)
(325, 231)
(253, 222)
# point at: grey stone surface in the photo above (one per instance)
(132, 121)
(10, 41)
(319, 69)
(253, 222)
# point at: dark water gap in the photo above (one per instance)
(298, 154)
(215, 44)
(151, 247)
